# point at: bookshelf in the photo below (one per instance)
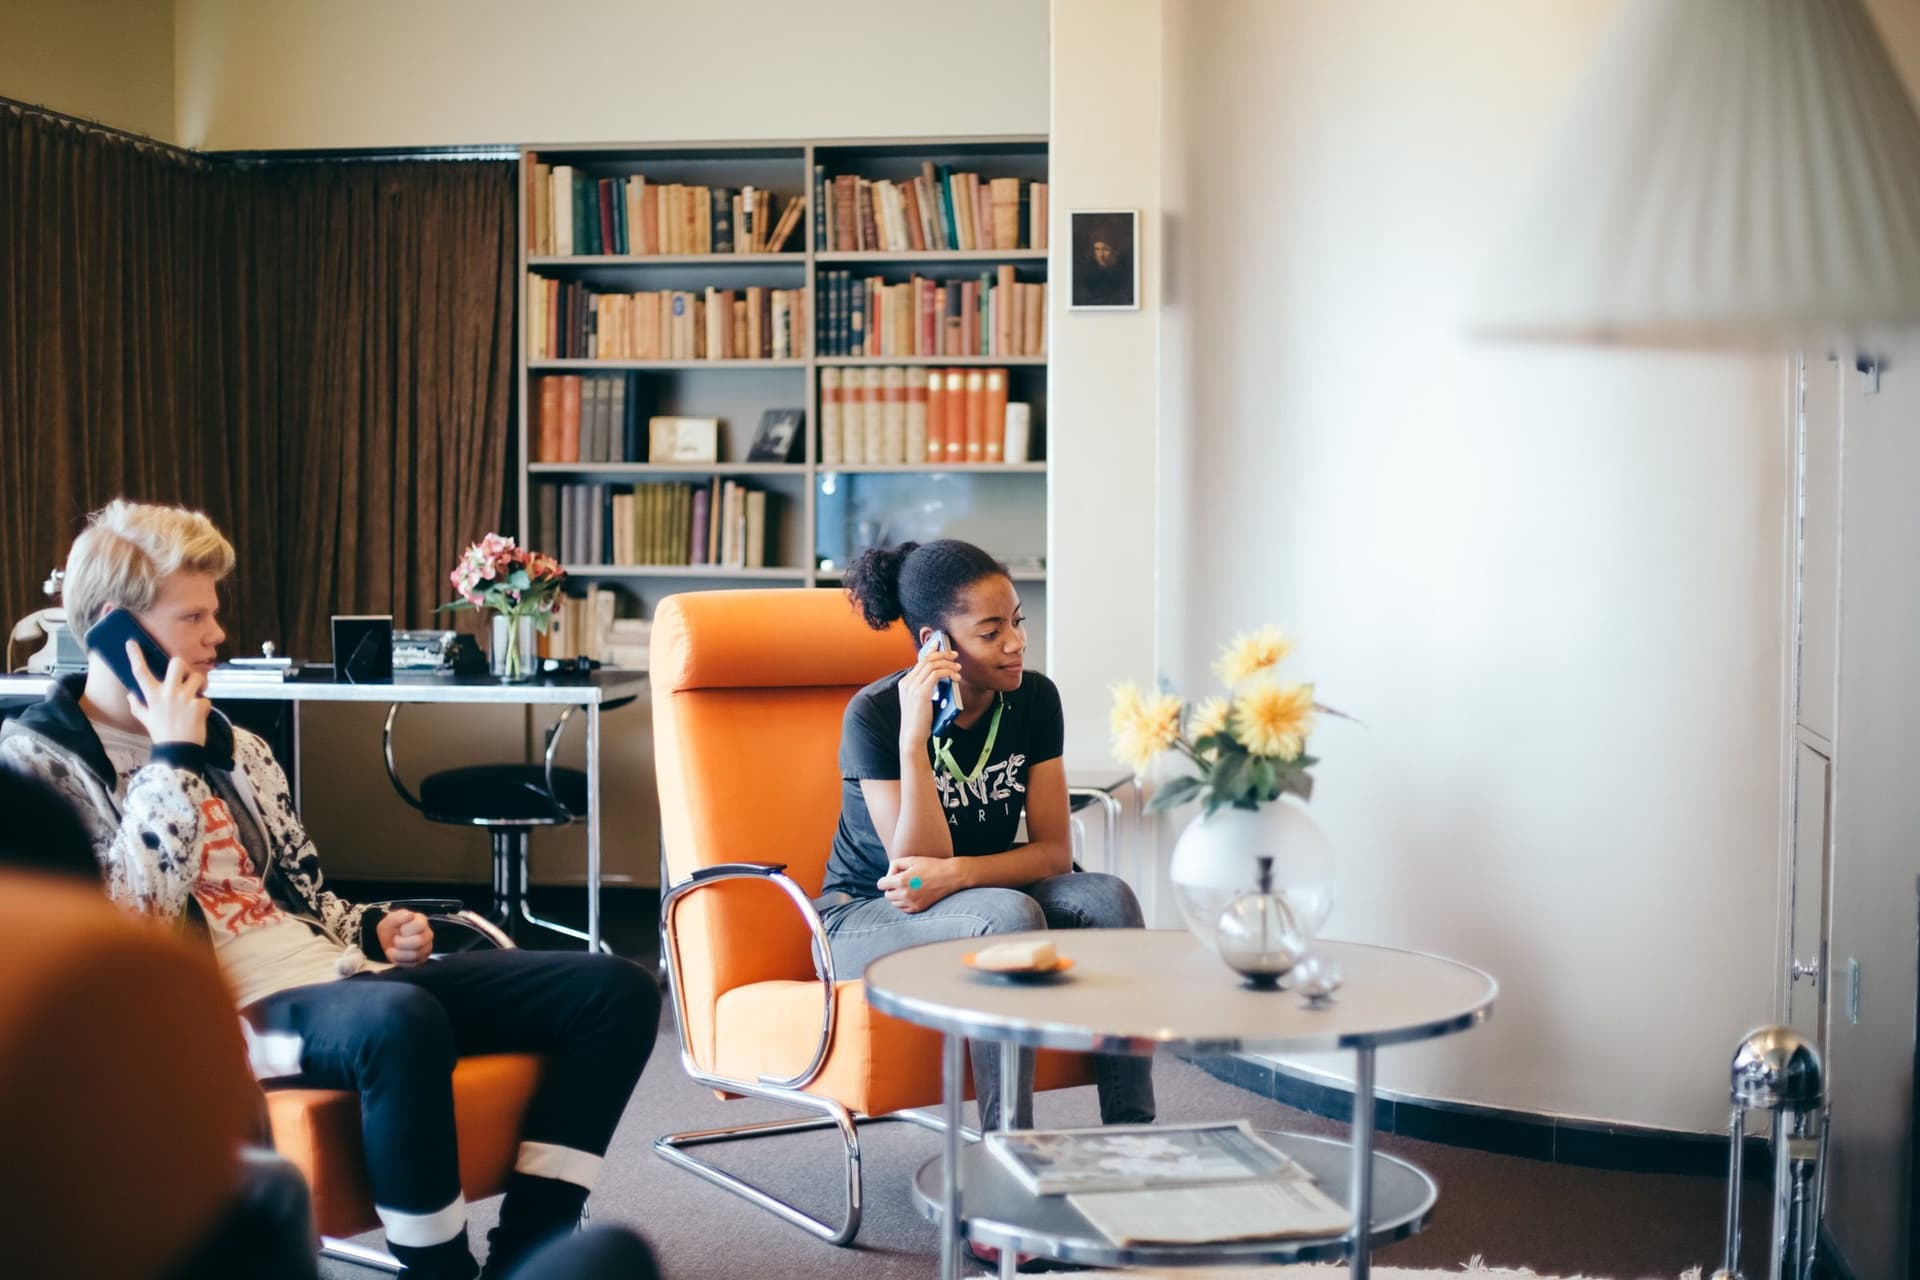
(818, 512)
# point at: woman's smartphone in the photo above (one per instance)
(946, 697)
(108, 638)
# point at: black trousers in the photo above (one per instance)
(393, 1037)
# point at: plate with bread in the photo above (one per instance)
(1035, 961)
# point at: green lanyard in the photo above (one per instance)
(943, 749)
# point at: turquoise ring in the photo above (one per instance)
(914, 883)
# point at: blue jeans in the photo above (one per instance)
(861, 930)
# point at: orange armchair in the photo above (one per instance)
(124, 1094)
(749, 688)
(318, 1131)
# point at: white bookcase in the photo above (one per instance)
(822, 515)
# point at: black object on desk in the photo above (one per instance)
(363, 648)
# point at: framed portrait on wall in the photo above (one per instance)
(1106, 260)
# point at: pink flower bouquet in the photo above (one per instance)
(496, 573)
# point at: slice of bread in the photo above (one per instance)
(1004, 956)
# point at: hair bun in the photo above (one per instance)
(873, 583)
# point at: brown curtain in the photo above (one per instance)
(318, 355)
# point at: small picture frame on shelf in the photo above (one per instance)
(1105, 260)
(672, 439)
(777, 436)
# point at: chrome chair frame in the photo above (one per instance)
(380, 1259)
(788, 1090)
(500, 831)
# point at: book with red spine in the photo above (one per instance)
(976, 402)
(993, 415)
(955, 414)
(547, 446)
(569, 433)
(936, 417)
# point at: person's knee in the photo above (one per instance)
(1004, 910)
(615, 1002)
(621, 986)
(1107, 902)
(629, 994)
(403, 1025)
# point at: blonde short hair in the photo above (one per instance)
(128, 548)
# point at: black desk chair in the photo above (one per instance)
(509, 800)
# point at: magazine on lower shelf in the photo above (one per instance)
(1134, 1157)
(1279, 1208)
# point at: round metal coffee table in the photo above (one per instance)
(1132, 991)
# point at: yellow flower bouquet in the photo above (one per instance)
(1248, 747)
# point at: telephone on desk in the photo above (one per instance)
(62, 650)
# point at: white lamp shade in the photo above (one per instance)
(1733, 173)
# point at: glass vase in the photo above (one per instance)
(1218, 858)
(513, 654)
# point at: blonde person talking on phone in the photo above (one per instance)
(191, 819)
(925, 848)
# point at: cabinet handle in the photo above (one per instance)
(1809, 971)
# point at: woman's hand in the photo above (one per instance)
(914, 884)
(916, 695)
(173, 710)
(405, 936)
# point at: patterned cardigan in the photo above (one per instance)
(148, 830)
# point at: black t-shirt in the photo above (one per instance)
(982, 816)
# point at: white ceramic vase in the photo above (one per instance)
(1217, 858)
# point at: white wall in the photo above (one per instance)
(104, 60)
(1549, 581)
(373, 73)
(1103, 376)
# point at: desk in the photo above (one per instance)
(1133, 990)
(590, 691)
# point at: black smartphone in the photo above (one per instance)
(108, 638)
(946, 698)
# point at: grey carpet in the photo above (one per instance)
(1515, 1212)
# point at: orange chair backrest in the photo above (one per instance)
(749, 689)
(124, 1090)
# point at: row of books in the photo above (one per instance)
(994, 315)
(589, 625)
(570, 212)
(939, 210)
(897, 415)
(719, 522)
(568, 321)
(587, 419)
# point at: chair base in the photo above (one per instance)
(511, 906)
(358, 1254)
(671, 1148)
